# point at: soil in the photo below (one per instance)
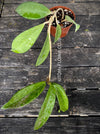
(59, 18)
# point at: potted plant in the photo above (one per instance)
(59, 20)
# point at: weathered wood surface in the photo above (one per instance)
(11, 27)
(83, 39)
(54, 1)
(80, 71)
(81, 103)
(83, 8)
(70, 57)
(79, 77)
(71, 125)
(20, 24)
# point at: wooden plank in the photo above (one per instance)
(80, 70)
(12, 27)
(75, 77)
(81, 103)
(71, 125)
(20, 24)
(16, 24)
(69, 57)
(83, 39)
(78, 8)
(52, 1)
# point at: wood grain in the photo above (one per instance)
(81, 39)
(90, 23)
(80, 71)
(81, 103)
(53, 1)
(83, 8)
(75, 77)
(70, 57)
(71, 125)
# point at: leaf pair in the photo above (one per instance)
(58, 28)
(31, 92)
(48, 104)
(24, 41)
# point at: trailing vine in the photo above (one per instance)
(22, 43)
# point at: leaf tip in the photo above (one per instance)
(36, 64)
(3, 107)
(35, 128)
(77, 27)
(12, 50)
(15, 51)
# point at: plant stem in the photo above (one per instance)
(50, 67)
(62, 12)
(49, 27)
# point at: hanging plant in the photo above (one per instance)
(59, 20)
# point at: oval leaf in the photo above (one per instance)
(61, 96)
(24, 41)
(69, 19)
(58, 33)
(32, 10)
(25, 95)
(44, 52)
(46, 108)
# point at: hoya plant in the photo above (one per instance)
(58, 18)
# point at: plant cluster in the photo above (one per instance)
(22, 43)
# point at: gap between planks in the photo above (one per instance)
(4, 116)
(51, 116)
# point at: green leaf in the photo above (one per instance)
(46, 108)
(32, 10)
(61, 96)
(44, 52)
(24, 41)
(25, 95)
(69, 19)
(58, 32)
